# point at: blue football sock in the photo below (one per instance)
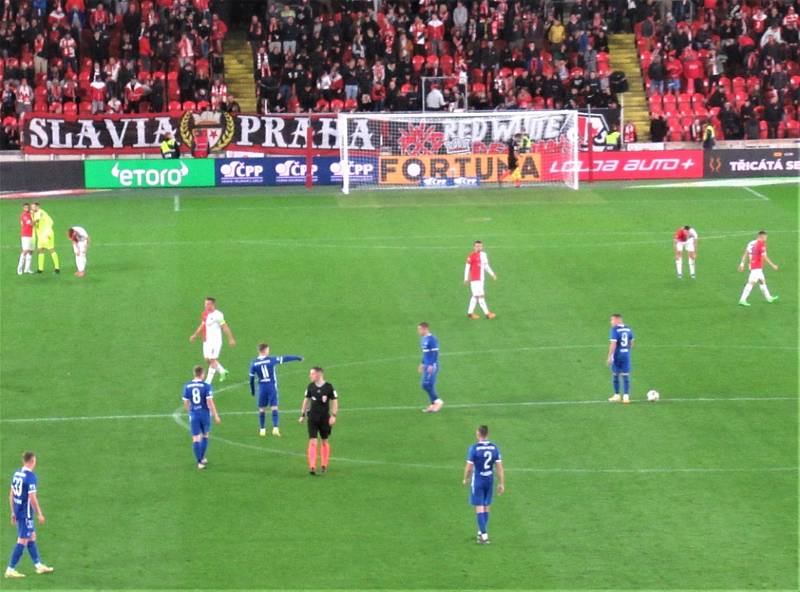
(480, 521)
(626, 384)
(197, 448)
(16, 555)
(34, 552)
(274, 418)
(615, 381)
(262, 419)
(203, 448)
(486, 522)
(431, 390)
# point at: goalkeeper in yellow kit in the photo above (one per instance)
(45, 237)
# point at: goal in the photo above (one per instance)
(437, 150)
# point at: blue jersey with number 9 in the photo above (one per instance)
(197, 393)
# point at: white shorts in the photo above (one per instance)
(687, 245)
(756, 275)
(27, 243)
(80, 247)
(211, 350)
(477, 287)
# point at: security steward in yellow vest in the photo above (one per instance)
(614, 139)
(169, 147)
(709, 134)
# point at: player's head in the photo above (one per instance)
(35, 206)
(482, 432)
(71, 233)
(616, 319)
(26, 207)
(198, 372)
(477, 246)
(687, 227)
(423, 329)
(211, 303)
(316, 374)
(263, 349)
(29, 459)
(762, 235)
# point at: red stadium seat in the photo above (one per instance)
(189, 106)
(203, 105)
(418, 62)
(85, 108)
(174, 107)
(446, 63)
(56, 108)
(337, 105)
(350, 105)
(70, 109)
(792, 128)
(763, 132)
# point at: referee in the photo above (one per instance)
(320, 406)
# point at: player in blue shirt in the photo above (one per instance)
(198, 400)
(620, 345)
(429, 366)
(483, 459)
(263, 370)
(24, 503)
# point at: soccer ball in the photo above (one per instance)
(653, 396)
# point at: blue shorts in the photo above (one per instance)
(267, 397)
(25, 526)
(199, 422)
(621, 365)
(430, 377)
(481, 492)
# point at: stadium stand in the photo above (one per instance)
(732, 63)
(86, 56)
(325, 57)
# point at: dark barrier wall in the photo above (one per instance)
(41, 176)
(760, 162)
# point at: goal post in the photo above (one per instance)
(437, 150)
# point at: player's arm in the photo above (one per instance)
(11, 505)
(768, 260)
(466, 273)
(197, 332)
(304, 407)
(228, 333)
(285, 359)
(213, 407)
(252, 380)
(744, 258)
(488, 269)
(501, 476)
(612, 347)
(467, 472)
(35, 505)
(334, 411)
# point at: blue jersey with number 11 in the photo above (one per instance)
(197, 393)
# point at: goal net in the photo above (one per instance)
(435, 150)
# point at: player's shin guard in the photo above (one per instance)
(483, 518)
(262, 419)
(430, 388)
(765, 291)
(21, 263)
(691, 266)
(679, 266)
(16, 555)
(615, 383)
(80, 262)
(275, 418)
(197, 448)
(28, 260)
(473, 302)
(40, 262)
(312, 454)
(54, 257)
(34, 552)
(203, 448)
(325, 453)
(210, 376)
(626, 385)
(746, 292)
(483, 305)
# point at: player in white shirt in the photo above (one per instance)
(80, 245)
(685, 239)
(212, 324)
(477, 264)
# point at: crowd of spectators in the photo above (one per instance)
(492, 53)
(109, 56)
(733, 63)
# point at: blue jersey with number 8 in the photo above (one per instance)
(197, 393)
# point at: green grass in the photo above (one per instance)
(697, 491)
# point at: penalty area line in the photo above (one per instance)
(756, 193)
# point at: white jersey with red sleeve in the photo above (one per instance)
(477, 264)
(682, 235)
(756, 250)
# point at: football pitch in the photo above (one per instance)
(697, 491)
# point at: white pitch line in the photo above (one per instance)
(177, 418)
(756, 193)
(599, 401)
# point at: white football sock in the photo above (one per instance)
(80, 262)
(211, 373)
(679, 266)
(765, 291)
(482, 303)
(220, 368)
(691, 266)
(472, 304)
(28, 259)
(746, 292)
(21, 263)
